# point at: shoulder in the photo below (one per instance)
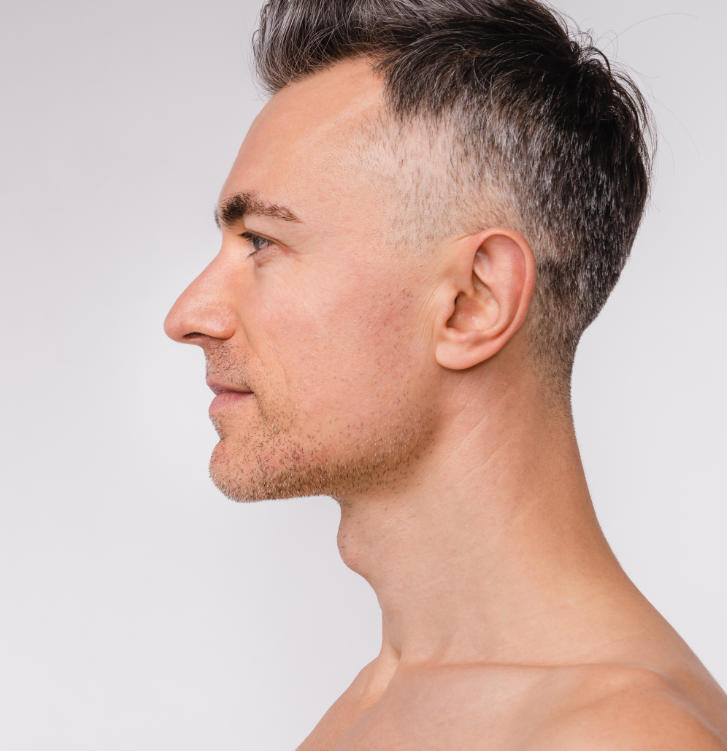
(631, 710)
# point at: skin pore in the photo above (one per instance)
(397, 381)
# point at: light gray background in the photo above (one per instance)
(140, 608)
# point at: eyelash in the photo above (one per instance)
(251, 237)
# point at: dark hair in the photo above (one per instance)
(535, 118)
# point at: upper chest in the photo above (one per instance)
(458, 709)
(467, 708)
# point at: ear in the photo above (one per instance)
(485, 296)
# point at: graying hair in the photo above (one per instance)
(531, 115)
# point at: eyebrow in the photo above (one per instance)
(235, 207)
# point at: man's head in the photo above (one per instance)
(459, 185)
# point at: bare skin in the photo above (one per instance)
(400, 385)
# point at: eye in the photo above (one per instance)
(254, 241)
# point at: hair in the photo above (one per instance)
(536, 128)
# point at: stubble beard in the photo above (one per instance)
(270, 459)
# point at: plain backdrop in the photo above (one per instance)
(141, 609)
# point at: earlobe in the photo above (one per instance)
(487, 296)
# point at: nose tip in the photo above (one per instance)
(173, 326)
(203, 311)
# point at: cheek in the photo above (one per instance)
(339, 343)
(366, 341)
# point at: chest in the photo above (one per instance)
(423, 717)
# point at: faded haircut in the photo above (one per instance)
(540, 132)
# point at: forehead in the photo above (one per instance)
(304, 149)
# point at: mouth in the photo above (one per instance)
(227, 399)
(219, 388)
(226, 395)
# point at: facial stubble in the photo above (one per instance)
(273, 457)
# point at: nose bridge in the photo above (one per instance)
(205, 307)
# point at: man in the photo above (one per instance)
(433, 205)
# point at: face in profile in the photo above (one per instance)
(321, 319)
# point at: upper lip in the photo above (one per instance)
(220, 388)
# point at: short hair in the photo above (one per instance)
(536, 120)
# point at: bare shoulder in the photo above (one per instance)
(635, 708)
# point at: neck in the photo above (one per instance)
(492, 553)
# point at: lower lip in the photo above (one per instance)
(229, 399)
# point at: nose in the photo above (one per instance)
(205, 310)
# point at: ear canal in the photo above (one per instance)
(469, 312)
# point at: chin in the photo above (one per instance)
(258, 478)
(231, 480)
